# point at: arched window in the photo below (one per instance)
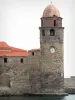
(52, 32)
(43, 32)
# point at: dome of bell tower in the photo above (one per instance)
(51, 11)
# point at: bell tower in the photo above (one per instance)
(51, 44)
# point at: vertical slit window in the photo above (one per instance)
(54, 22)
(32, 53)
(21, 60)
(5, 60)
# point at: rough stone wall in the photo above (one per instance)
(50, 39)
(52, 67)
(34, 71)
(69, 85)
(39, 73)
(17, 74)
(20, 78)
(69, 82)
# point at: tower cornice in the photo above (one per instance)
(50, 17)
(50, 27)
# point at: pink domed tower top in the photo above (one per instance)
(50, 11)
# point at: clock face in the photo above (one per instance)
(52, 49)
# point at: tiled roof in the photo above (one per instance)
(6, 50)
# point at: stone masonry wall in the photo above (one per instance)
(51, 64)
(52, 67)
(49, 21)
(34, 71)
(17, 74)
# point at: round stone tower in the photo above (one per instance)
(51, 44)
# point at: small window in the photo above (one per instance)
(54, 22)
(5, 60)
(21, 60)
(32, 53)
(52, 32)
(43, 32)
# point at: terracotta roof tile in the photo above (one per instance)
(6, 50)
